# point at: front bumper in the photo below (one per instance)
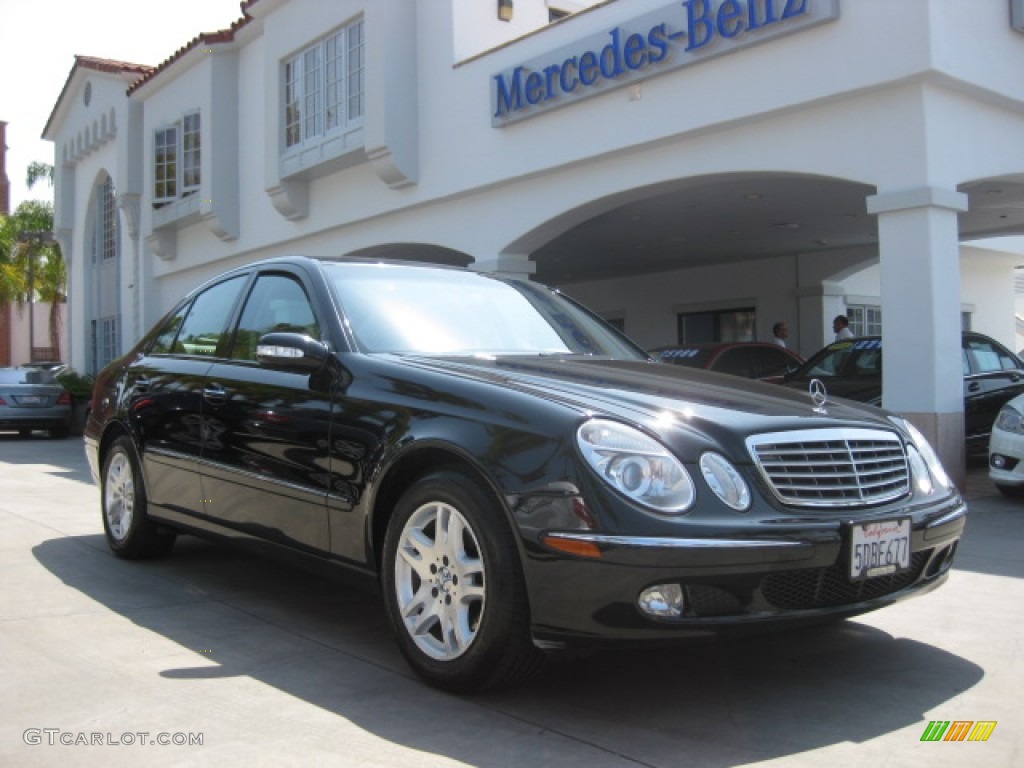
(737, 582)
(1006, 459)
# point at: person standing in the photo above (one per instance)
(841, 325)
(780, 332)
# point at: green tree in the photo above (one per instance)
(31, 264)
(38, 171)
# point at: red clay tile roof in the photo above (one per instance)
(99, 65)
(204, 38)
(112, 66)
(145, 72)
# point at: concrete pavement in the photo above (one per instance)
(238, 660)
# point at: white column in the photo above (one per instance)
(508, 265)
(922, 377)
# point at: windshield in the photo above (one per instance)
(845, 359)
(421, 310)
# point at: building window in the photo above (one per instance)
(865, 320)
(717, 325)
(190, 154)
(108, 222)
(324, 86)
(106, 341)
(165, 165)
(171, 178)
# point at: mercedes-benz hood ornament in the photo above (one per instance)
(819, 396)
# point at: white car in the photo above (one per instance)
(1006, 448)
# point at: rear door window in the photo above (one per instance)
(199, 329)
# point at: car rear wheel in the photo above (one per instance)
(454, 586)
(130, 532)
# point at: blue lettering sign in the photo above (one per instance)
(676, 36)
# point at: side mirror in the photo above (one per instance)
(292, 351)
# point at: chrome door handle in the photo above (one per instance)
(215, 394)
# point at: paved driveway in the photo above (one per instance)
(265, 664)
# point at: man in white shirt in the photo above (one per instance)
(780, 331)
(841, 325)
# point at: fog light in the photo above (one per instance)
(663, 600)
(998, 461)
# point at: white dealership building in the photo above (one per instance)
(711, 165)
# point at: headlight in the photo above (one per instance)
(636, 466)
(725, 480)
(919, 469)
(1009, 420)
(930, 459)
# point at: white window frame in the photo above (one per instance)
(324, 88)
(182, 142)
(191, 152)
(865, 319)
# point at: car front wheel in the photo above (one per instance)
(454, 586)
(130, 532)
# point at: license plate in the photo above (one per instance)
(879, 548)
(30, 400)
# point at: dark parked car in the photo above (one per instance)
(518, 475)
(749, 359)
(852, 369)
(31, 398)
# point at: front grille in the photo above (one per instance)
(828, 587)
(832, 467)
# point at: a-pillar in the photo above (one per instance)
(922, 378)
(508, 265)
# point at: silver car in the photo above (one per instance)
(30, 399)
(1006, 449)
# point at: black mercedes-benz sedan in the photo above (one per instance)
(518, 475)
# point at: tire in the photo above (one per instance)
(58, 433)
(1010, 491)
(24, 433)
(458, 603)
(130, 533)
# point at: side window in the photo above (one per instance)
(164, 341)
(768, 362)
(277, 303)
(985, 356)
(734, 361)
(202, 331)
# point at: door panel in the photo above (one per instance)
(164, 396)
(163, 399)
(266, 432)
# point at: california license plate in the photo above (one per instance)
(880, 548)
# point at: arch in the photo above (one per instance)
(101, 270)
(995, 207)
(700, 220)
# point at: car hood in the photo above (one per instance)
(863, 389)
(675, 402)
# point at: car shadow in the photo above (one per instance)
(719, 701)
(40, 448)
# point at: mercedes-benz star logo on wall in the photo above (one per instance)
(818, 395)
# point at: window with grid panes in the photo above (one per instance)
(324, 86)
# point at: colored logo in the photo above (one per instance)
(958, 730)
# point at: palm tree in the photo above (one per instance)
(31, 263)
(37, 171)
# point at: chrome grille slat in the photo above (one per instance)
(832, 467)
